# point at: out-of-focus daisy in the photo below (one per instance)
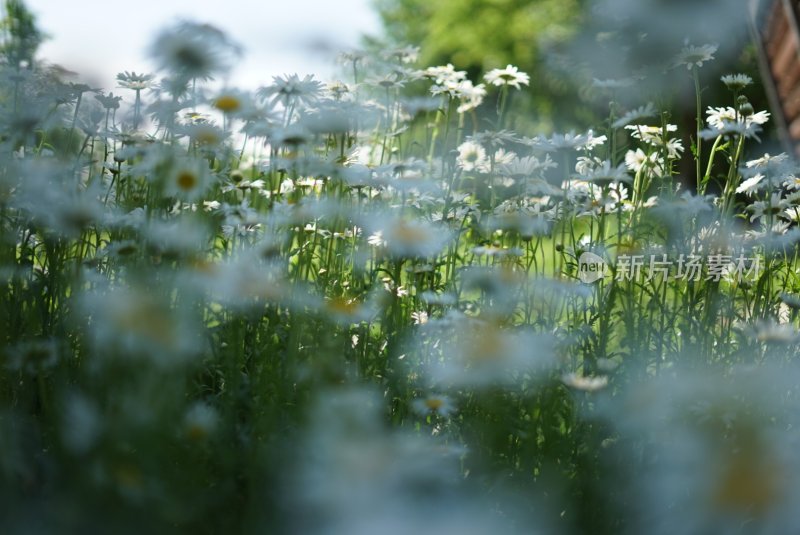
(191, 50)
(695, 56)
(587, 384)
(402, 237)
(230, 102)
(767, 160)
(444, 74)
(135, 81)
(204, 134)
(290, 89)
(768, 208)
(200, 421)
(188, 179)
(419, 317)
(510, 76)
(770, 331)
(725, 446)
(434, 404)
(405, 54)
(642, 112)
(480, 353)
(471, 96)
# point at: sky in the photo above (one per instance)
(99, 38)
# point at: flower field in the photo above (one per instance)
(380, 305)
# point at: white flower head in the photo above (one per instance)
(443, 74)
(736, 82)
(472, 157)
(719, 118)
(511, 75)
(695, 56)
(471, 96)
(188, 179)
(750, 185)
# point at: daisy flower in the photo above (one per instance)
(587, 384)
(637, 160)
(193, 50)
(650, 134)
(792, 182)
(736, 82)
(471, 96)
(135, 81)
(509, 76)
(434, 404)
(407, 238)
(444, 74)
(772, 207)
(719, 117)
(751, 185)
(290, 89)
(641, 112)
(472, 157)
(695, 56)
(188, 179)
(767, 160)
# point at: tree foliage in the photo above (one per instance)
(478, 35)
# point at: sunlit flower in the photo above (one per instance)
(471, 96)
(750, 185)
(638, 160)
(719, 117)
(444, 74)
(510, 76)
(472, 157)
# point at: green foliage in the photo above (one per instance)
(20, 36)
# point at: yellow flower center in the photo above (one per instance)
(227, 104)
(187, 180)
(434, 404)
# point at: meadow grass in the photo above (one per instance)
(349, 308)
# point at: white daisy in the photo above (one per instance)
(472, 157)
(695, 56)
(509, 76)
(736, 82)
(751, 185)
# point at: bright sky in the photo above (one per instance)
(99, 38)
